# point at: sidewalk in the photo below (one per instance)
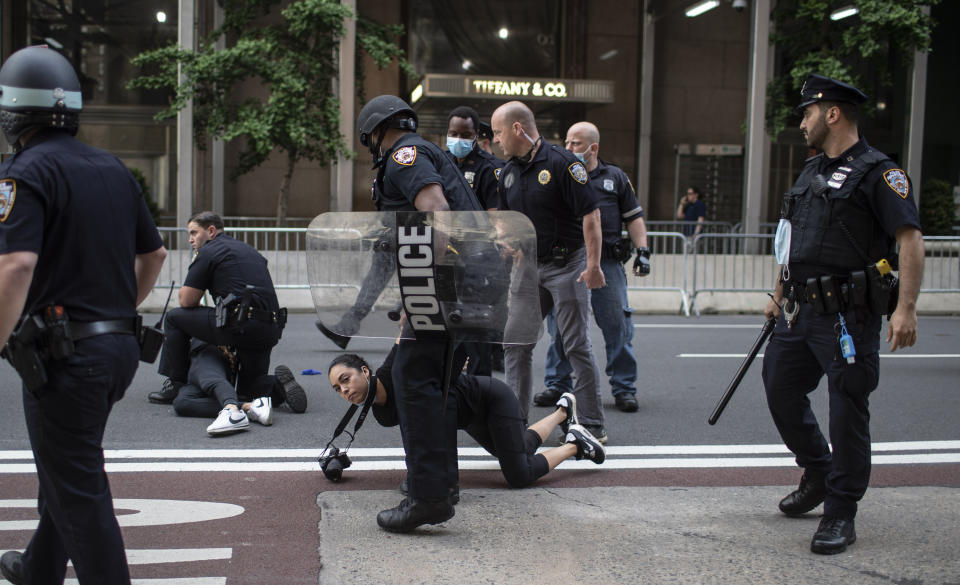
(626, 535)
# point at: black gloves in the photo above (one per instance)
(641, 264)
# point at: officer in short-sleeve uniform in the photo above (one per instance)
(225, 266)
(553, 191)
(618, 206)
(845, 213)
(79, 214)
(410, 171)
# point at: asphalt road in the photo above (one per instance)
(684, 367)
(245, 509)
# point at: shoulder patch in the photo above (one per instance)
(8, 194)
(544, 177)
(896, 179)
(629, 184)
(496, 173)
(405, 155)
(578, 172)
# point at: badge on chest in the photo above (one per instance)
(838, 177)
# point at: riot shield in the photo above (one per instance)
(453, 274)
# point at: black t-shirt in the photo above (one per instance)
(553, 191)
(81, 211)
(224, 265)
(481, 170)
(615, 198)
(412, 164)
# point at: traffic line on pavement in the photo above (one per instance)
(883, 355)
(391, 458)
(172, 581)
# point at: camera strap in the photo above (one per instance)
(367, 403)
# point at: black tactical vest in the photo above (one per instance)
(832, 223)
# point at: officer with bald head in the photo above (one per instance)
(618, 208)
(551, 187)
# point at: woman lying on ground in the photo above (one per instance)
(488, 410)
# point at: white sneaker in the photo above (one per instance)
(229, 421)
(261, 411)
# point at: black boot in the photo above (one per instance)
(341, 341)
(412, 513)
(11, 566)
(809, 495)
(833, 536)
(166, 394)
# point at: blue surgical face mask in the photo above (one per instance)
(781, 242)
(460, 147)
(579, 156)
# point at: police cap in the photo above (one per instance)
(485, 131)
(818, 88)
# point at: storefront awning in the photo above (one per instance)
(503, 88)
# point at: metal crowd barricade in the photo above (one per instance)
(941, 266)
(668, 255)
(284, 249)
(732, 263)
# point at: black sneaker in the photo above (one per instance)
(412, 513)
(167, 393)
(588, 447)
(11, 566)
(292, 393)
(833, 536)
(548, 397)
(599, 433)
(626, 402)
(809, 495)
(568, 402)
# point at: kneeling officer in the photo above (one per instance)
(247, 317)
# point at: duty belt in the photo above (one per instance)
(258, 314)
(81, 330)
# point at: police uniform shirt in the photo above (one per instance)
(225, 265)
(615, 198)
(884, 194)
(695, 210)
(82, 212)
(481, 170)
(415, 163)
(553, 191)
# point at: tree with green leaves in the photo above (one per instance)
(294, 61)
(883, 36)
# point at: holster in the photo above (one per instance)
(150, 340)
(24, 354)
(223, 309)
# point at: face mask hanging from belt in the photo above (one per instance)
(781, 246)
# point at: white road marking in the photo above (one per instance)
(883, 355)
(146, 512)
(391, 458)
(172, 581)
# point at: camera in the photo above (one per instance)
(333, 462)
(739, 5)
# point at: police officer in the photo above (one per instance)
(618, 206)
(839, 226)
(416, 175)
(78, 252)
(549, 185)
(479, 168)
(247, 317)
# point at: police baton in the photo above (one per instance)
(761, 339)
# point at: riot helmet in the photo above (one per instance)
(386, 111)
(38, 89)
